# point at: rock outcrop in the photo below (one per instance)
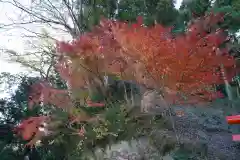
(201, 133)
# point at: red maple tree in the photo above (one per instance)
(186, 64)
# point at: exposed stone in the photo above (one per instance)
(202, 131)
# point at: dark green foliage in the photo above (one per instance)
(194, 8)
(120, 90)
(94, 10)
(231, 19)
(149, 10)
(6, 133)
(14, 109)
(56, 81)
(129, 10)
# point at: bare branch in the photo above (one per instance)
(19, 23)
(73, 16)
(56, 15)
(50, 67)
(40, 18)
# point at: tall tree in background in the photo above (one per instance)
(194, 8)
(13, 110)
(151, 11)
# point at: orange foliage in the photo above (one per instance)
(149, 55)
(88, 57)
(43, 92)
(186, 63)
(29, 129)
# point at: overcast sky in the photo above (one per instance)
(14, 38)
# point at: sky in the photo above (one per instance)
(12, 39)
(8, 40)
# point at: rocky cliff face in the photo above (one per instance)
(201, 133)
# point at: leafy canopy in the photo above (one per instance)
(181, 65)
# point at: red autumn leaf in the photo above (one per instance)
(65, 47)
(43, 92)
(93, 104)
(29, 127)
(81, 132)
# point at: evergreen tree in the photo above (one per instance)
(155, 10)
(129, 10)
(13, 110)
